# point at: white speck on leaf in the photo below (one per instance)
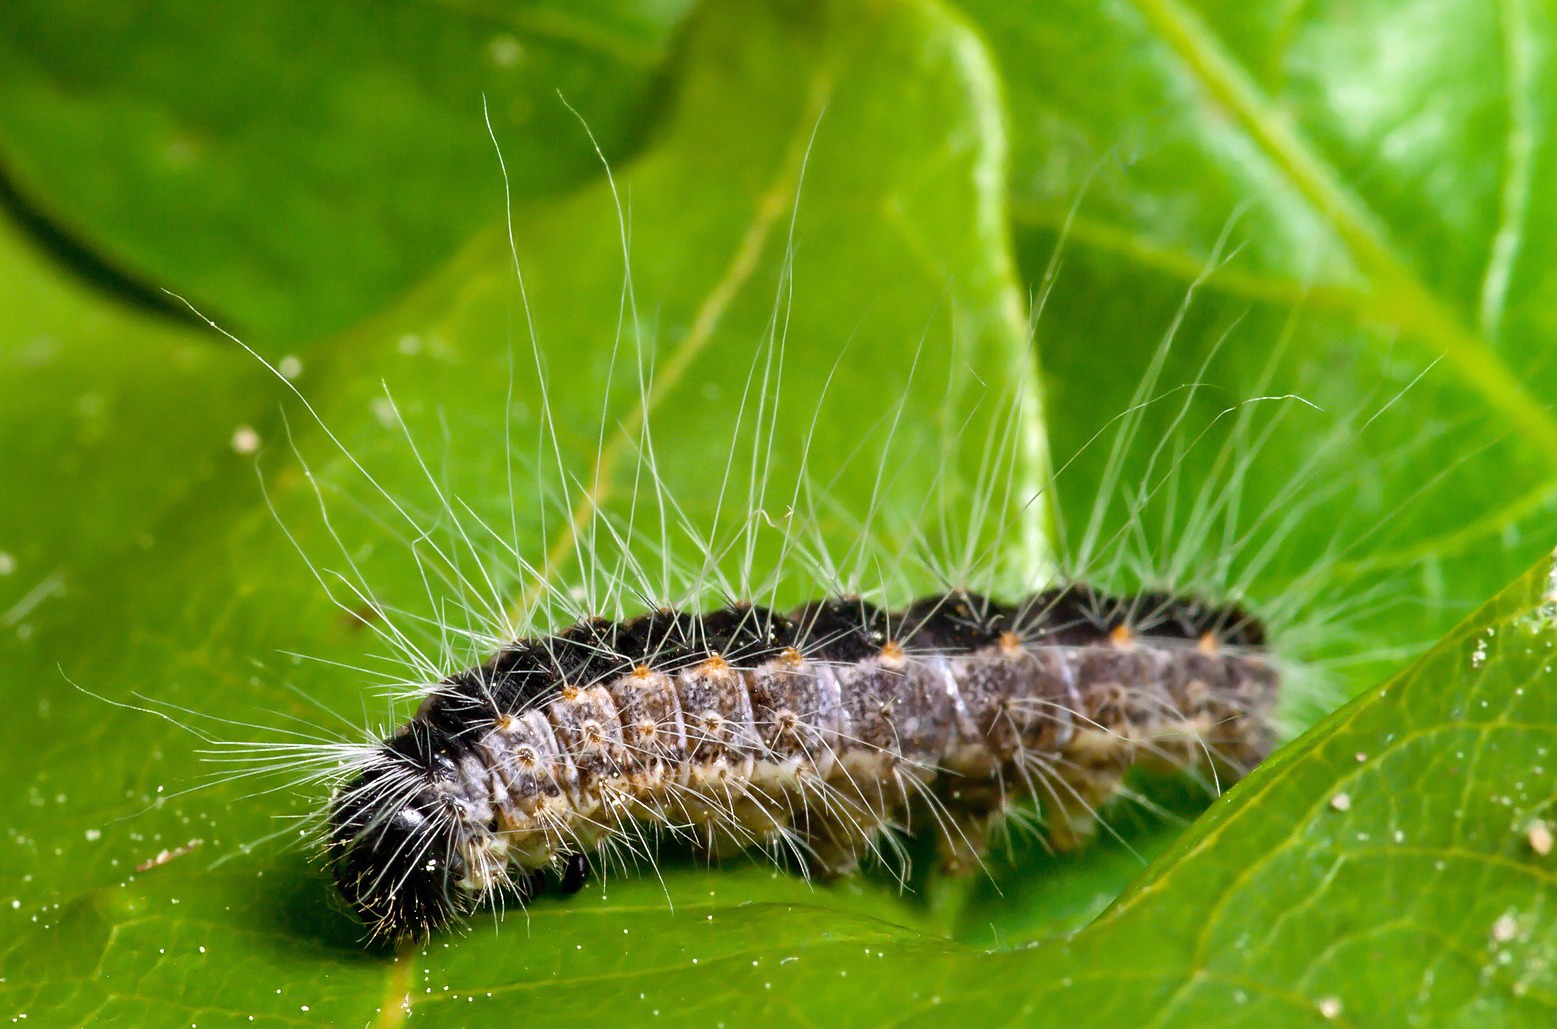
(1539, 836)
(505, 51)
(245, 440)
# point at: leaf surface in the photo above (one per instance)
(831, 183)
(294, 167)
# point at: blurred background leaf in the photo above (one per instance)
(1321, 201)
(293, 167)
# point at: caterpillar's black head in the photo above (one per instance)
(393, 845)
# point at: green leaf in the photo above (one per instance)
(292, 166)
(110, 418)
(198, 617)
(834, 178)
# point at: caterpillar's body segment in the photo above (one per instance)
(812, 731)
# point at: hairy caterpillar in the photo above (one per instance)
(809, 731)
(824, 707)
(815, 733)
(938, 688)
(478, 476)
(681, 702)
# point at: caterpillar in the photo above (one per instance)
(934, 681)
(812, 730)
(820, 732)
(942, 689)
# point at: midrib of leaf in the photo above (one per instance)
(1398, 294)
(397, 993)
(770, 205)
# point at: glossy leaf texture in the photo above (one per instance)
(838, 219)
(1353, 186)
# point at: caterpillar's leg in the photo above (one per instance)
(1070, 805)
(961, 841)
(843, 824)
(575, 873)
